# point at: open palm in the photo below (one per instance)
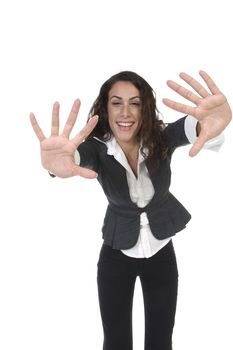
(57, 151)
(211, 107)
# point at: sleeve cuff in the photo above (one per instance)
(190, 131)
(51, 174)
(77, 157)
(190, 125)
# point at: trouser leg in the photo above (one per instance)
(116, 280)
(159, 280)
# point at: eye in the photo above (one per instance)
(115, 103)
(135, 103)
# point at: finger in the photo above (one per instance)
(39, 133)
(198, 145)
(194, 84)
(84, 172)
(72, 118)
(189, 95)
(55, 119)
(210, 83)
(84, 132)
(180, 107)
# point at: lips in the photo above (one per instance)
(124, 126)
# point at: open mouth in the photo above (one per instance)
(124, 126)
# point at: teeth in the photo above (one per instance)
(124, 124)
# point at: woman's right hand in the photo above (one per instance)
(57, 151)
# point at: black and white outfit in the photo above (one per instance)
(141, 218)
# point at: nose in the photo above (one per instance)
(125, 110)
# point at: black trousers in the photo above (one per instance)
(116, 278)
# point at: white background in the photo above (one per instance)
(51, 228)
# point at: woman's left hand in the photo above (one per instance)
(212, 109)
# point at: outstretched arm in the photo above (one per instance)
(211, 107)
(57, 151)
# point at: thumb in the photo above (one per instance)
(84, 172)
(198, 145)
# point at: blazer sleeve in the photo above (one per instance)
(88, 155)
(175, 135)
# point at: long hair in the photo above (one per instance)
(151, 131)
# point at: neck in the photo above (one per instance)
(131, 152)
(129, 148)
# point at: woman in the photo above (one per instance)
(129, 149)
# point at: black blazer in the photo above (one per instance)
(165, 213)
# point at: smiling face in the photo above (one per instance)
(124, 112)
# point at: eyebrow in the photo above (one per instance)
(120, 98)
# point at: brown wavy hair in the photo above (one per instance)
(151, 131)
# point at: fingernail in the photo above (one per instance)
(94, 117)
